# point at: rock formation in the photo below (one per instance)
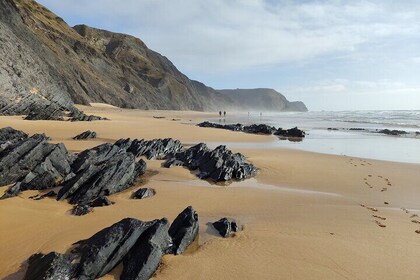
(257, 129)
(143, 193)
(144, 257)
(151, 149)
(183, 230)
(225, 227)
(33, 164)
(101, 171)
(218, 165)
(293, 132)
(85, 135)
(52, 266)
(139, 245)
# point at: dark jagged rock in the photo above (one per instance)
(34, 107)
(259, 129)
(293, 132)
(101, 202)
(232, 127)
(48, 194)
(217, 165)
(183, 230)
(145, 256)
(42, 111)
(101, 171)
(33, 164)
(10, 136)
(81, 210)
(225, 227)
(85, 135)
(151, 149)
(393, 132)
(84, 209)
(79, 116)
(138, 245)
(104, 250)
(52, 266)
(143, 193)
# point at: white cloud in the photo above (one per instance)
(228, 35)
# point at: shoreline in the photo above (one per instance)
(296, 234)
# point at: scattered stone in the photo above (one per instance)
(85, 135)
(145, 256)
(217, 165)
(225, 227)
(101, 171)
(183, 230)
(81, 210)
(52, 266)
(151, 149)
(143, 193)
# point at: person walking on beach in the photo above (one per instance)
(224, 114)
(220, 113)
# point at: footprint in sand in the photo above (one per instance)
(380, 224)
(413, 216)
(417, 231)
(415, 221)
(379, 217)
(369, 208)
(405, 210)
(386, 202)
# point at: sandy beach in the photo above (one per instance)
(305, 215)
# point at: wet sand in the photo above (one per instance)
(305, 215)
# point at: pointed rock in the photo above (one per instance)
(183, 230)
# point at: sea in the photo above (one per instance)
(350, 133)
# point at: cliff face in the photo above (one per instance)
(263, 99)
(40, 54)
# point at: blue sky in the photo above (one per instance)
(333, 55)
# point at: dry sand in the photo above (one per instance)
(302, 214)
